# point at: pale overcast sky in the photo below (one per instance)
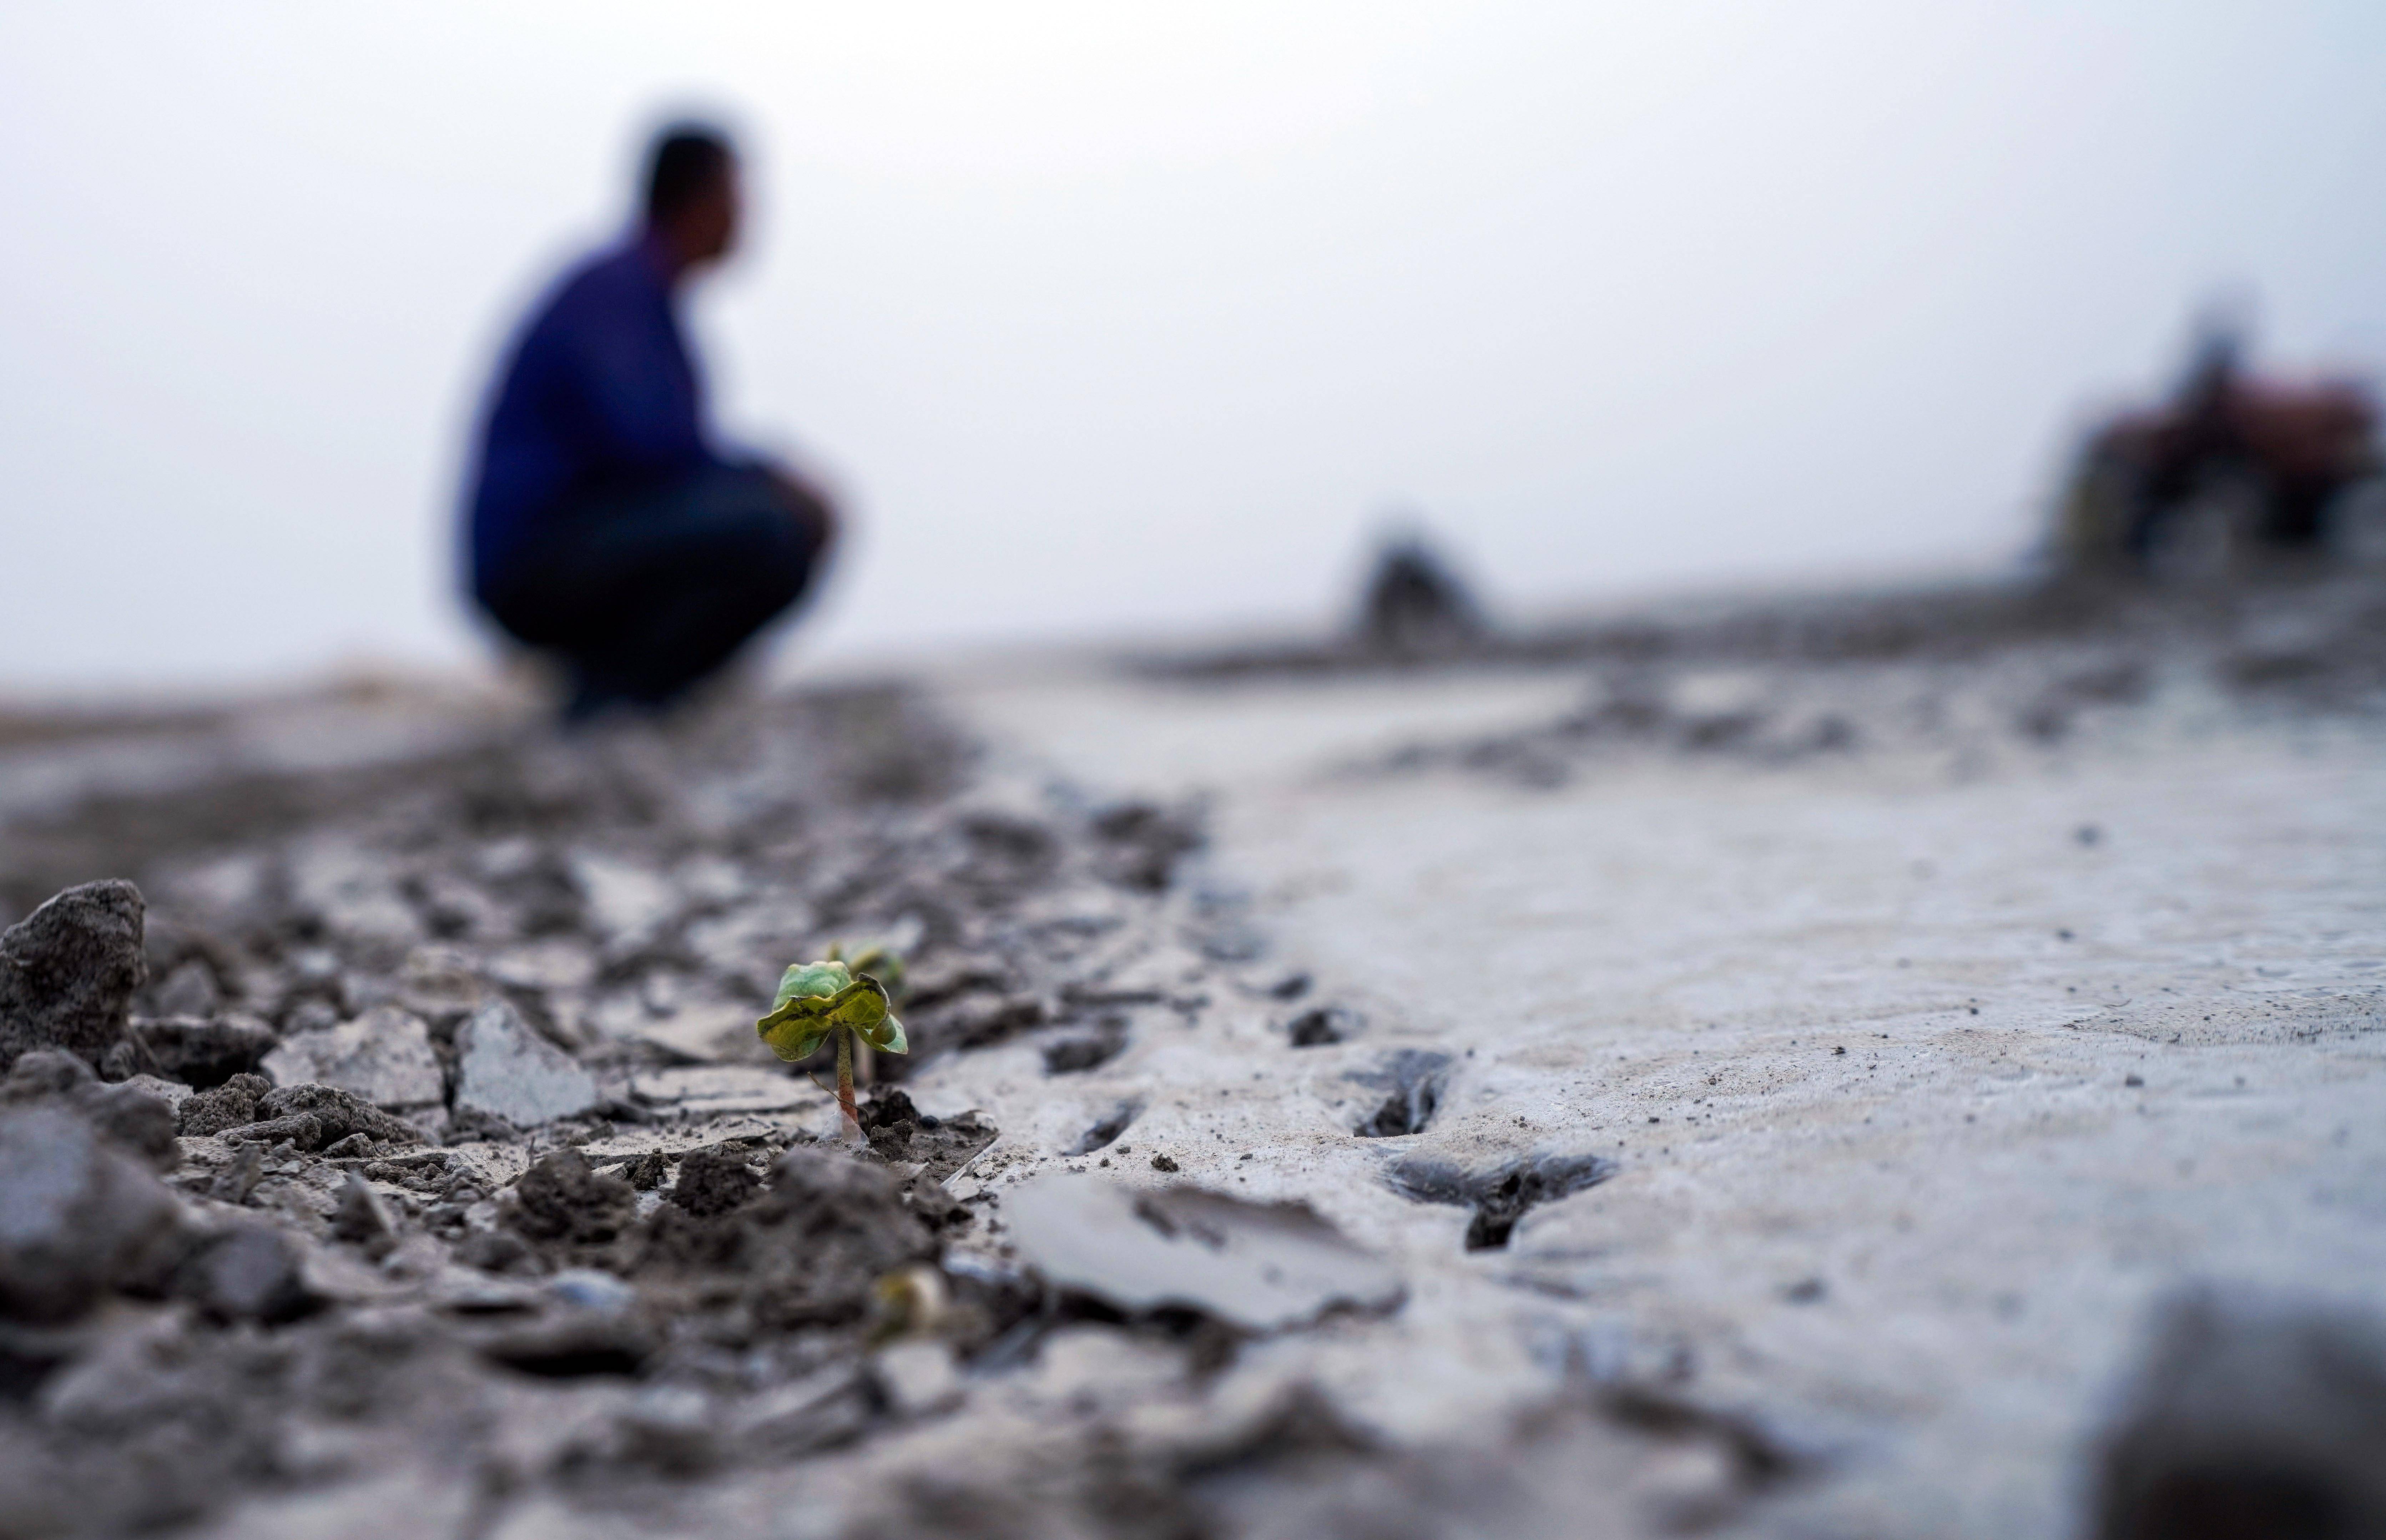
(1124, 318)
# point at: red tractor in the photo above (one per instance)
(2230, 466)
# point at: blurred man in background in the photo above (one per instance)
(607, 530)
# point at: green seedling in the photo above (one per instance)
(832, 999)
(878, 960)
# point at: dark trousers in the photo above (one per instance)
(642, 597)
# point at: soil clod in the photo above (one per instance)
(68, 971)
(79, 1219)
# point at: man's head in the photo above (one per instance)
(692, 200)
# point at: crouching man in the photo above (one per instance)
(606, 528)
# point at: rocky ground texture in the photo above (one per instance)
(388, 1148)
(385, 1147)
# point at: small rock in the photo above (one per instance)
(122, 1061)
(128, 1115)
(1162, 1163)
(715, 1181)
(314, 1115)
(135, 1120)
(918, 1377)
(352, 895)
(77, 1218)
(592, 1289)
(240, 1176)
(934, 1204)
(310, 1016)
(669, 1427)
(900, 1133)
(203, 1051)
(494, 1251)
(227, 1106)
(173, 1092)
(1253, 1266)
(469, 1125)
(807, 1251)
(189, 990)
(509, 1071)
(2251, 1418)
(562, 1205)
(249, 1272)
(647, 1172)
(383, 1055)
(362, 1219)
(44, 1073)
(68, 971)
(549, 964)
(439, 984)
(623, 902)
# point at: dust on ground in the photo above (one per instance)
(1883, 1022)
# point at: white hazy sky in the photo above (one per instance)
(1121, 319)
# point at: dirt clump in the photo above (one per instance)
(713, 1181)
(226, 1106)
(248, 1272)
(127, 1115)
(803, 1252)
(79, 1217)
(316, 1117)
(899, 1131)
(569, 1212)
(67, 972)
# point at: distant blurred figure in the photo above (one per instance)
(608, 529)
(1414, 605)
(2231, 463)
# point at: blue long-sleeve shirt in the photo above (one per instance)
(599, 396)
